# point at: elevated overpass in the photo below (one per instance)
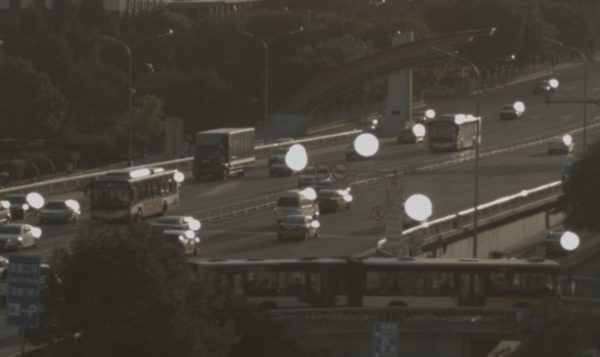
(332, 83)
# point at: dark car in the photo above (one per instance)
(19, 208)
(553, 245)
(372, 124)
(543, 88)
(297, 227)
(307, 177)
(352, 155)
(331, 200)
(277, 165)
(509, 112)
(60, 211)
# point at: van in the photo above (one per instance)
(295, 202)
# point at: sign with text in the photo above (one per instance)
(22, 307)
(385, 339)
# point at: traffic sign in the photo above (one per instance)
(23, 291)
(322, 171)
(377, 213)
(385, 339)
(340, 171)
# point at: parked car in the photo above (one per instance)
(60, 211)
(19, 208)
(560, 145)
(508, 112)
(4, 211)
(334, 199)
(14, 236)
(543, 88)
(187, 240)
(181, 223)
(297, 227)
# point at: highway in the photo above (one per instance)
(449, 188)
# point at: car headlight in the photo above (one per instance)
(20, 239)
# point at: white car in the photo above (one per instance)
(60, 211)
(14, 236)
(181, 223)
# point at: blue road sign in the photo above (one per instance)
(23, 291)
(385, 339)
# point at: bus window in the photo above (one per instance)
(262, 283)
(410, 283)
(379, 283)
(439, 283)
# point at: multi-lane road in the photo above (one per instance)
(354, 231)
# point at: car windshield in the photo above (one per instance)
(325, 184)
(10, 229)
(288, 202)
(55, 205)
(328, 193)
(171, 238)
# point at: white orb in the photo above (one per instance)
(296, 157)
(419, 130)
(418, 207)
(35, 200)
(310, 193)
(366, 144)
(569, 241)
(179, 176)
(553, 83)
(567, 139)
(430, 113)
(519, 106)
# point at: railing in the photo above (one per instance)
(504, 321)
(64, 184)
(455, 224)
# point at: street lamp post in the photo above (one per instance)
(266, 44)
(129, 85)
(477, 135)
(585, 82)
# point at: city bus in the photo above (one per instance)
(453, 132)
(132, 194)
(381, 282)
(280, 283)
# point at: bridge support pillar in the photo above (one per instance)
(399, 94)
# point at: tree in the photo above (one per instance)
(30, 103)
(147, 125)
(581, 193)
(123, 292)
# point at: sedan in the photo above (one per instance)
(19, 208)
(560, 145)
(509, 112)
(60, 211)
(334, 200)
(182, 223)
(307, 177)
(5, 211)
(14, 236)
(297, 227)
(188, 241)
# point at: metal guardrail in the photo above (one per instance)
(64, 184)
(455, 224)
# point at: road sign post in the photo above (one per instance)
(22, 307)
(385, 339)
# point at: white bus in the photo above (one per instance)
(453, 132)
(381, 282)
(133, 194)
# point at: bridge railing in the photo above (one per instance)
(69, 183)
(476, 320)
(459, 223)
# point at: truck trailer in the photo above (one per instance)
(224, 152)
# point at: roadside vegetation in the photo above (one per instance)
(65, 87)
